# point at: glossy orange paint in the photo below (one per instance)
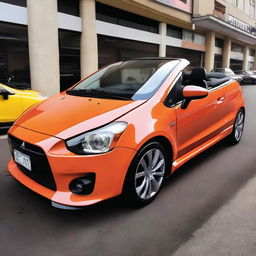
(192, 91)
(187, 131)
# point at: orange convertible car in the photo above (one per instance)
(123, 130)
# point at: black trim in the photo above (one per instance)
(41, 170)
(121, 17)
(22, 3)
(6, 125)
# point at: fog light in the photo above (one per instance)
(83, 185)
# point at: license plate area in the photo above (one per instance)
(22, 159)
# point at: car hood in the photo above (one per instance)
(64, 116)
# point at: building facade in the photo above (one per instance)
(51, 44)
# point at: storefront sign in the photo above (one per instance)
(184, 5)
(241, 25)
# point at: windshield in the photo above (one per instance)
(128, 80)
(250, 72)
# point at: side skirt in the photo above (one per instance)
(196, 151)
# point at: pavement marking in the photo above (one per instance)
(2, 137)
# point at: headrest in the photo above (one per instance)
(198, 74)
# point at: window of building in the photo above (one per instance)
(235, 2)
(195, 57)
(187, 35)
(69, 48)
(117, 16)
(252, 52)
(199, 39)
(112, 49)
(217, 61)
(252, 8)
(14, 55)
(250, 65)
(236, 48)
(193, 37)
(219, 10)
(22, 3)
(219, 43)
(69, 7)
(173, 31)
(236, 64)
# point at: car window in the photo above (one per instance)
(175, 95)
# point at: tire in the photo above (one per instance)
(238, 128)
(145, 175)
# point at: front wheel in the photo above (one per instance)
(238, 128)
(146, 174)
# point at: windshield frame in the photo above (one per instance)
(144, 92)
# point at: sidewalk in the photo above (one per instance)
(229, 232)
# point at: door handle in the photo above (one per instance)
(220, 100)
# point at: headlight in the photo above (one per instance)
(97, 141)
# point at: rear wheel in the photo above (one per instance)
(146, 174)
(238, 128)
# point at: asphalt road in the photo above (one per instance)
(30, 226)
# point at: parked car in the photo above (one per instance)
(249, 77)
(14, 102)
(229, 73)
(122, 130)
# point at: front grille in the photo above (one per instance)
(40, 168)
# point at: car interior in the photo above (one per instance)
(200, 77)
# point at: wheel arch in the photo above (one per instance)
(168, 150)
(165, 142)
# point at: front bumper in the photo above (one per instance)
(110, 170)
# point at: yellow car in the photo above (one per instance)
(13, 102)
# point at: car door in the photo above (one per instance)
(11, 108)
(200, 121)
(231, 92)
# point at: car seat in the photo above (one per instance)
(198, 77)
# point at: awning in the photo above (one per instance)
(210, 22)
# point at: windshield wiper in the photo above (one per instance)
(98, 94)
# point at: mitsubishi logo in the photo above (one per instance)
(23, 144)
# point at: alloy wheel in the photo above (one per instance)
(239, 126)
(149, 174)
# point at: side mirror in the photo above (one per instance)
(5, 94)
(192, 92)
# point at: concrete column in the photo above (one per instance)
(162, 46)
(209, 53)
(246, 57)
(43, 46)
(89, 44)
(226, 53)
